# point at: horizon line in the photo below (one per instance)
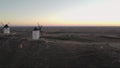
(62, 26)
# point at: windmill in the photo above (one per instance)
(37, 32)
(5, 28)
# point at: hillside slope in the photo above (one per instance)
(20, 52)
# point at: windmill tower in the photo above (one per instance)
(35, 34)
(6, 29)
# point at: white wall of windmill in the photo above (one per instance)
(6, 30)
(36, 35)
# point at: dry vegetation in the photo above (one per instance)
(62, 48)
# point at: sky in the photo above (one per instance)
(60, 12)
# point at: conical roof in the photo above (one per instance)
(35, 29)
(6, 26)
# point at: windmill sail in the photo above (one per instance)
(40, 28)
(2, 27)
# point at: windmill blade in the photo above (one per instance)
(1, 29)
(2, 24)
(40, 29)
(41, 32)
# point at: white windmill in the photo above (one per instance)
(36, 33)
(5, 29)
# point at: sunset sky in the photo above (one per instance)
(60, 12)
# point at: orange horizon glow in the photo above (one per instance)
(65, 23)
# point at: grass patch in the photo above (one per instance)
(69, 37)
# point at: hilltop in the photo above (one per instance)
(54, 50)
(49, 54)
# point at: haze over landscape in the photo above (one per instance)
(60, 12)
